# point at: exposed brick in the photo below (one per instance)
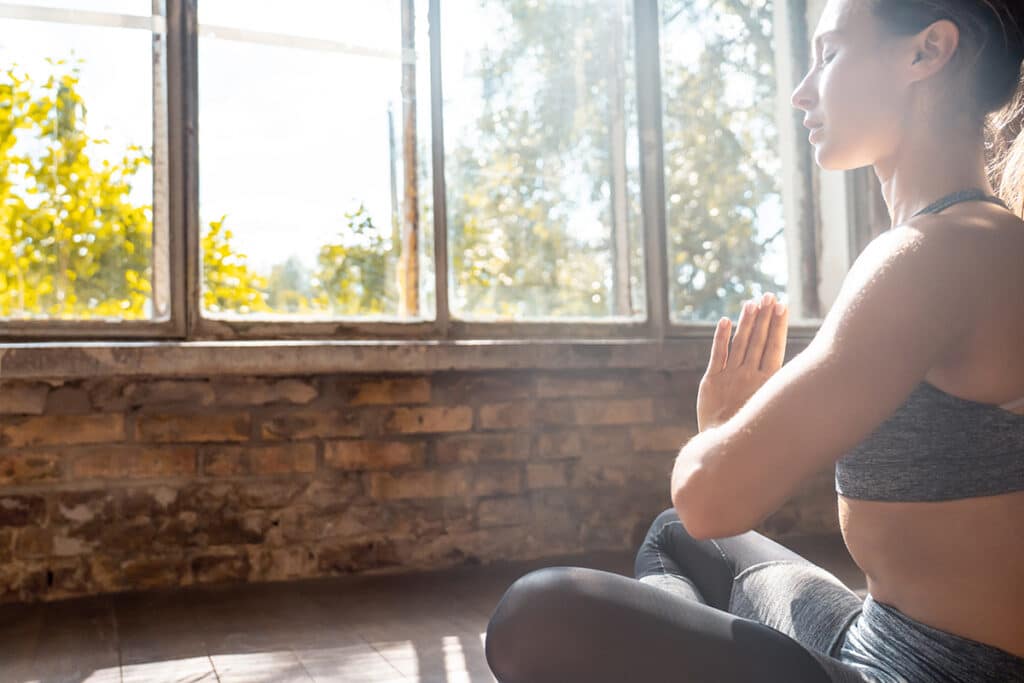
(165, 391)
(563, 386)
(226, 564)
(47, 430)
(498, 479)
(461, 387)
(253, 392)
(28, 467)
(33, 541)
(420, 484)
(494, 512)
(132, 461)
(508, 415)
(660, 438)
(547, 475)
(23, 398)
(372, 455)
(430, 419)
(308, 424)
(560, 444)
(18, 511)
(469, 449)
(609, 412)
(392, 391)
(165, 428)
(228, 461)
(67, 400)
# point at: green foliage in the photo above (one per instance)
(228, 283)
(72, 243)
(352, 278)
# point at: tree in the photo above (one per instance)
(353, 272)
(228, 283)
(72, 243)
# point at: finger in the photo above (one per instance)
(739, 342)
(759, 333)
(775, 350)
(719, 347)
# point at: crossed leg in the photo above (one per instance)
(563, 624)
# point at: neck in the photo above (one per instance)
(930, 164)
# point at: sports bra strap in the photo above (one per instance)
(968, 195)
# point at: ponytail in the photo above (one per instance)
(1004, 148)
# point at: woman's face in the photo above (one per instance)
(855, 89)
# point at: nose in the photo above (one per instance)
(803, 97)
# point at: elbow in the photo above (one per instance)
(693, 512)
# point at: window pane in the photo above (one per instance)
(306, 206)
(77, 162)
(722, 160)
(542, 159)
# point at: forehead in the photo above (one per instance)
(847, 17)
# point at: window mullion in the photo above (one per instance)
(440, 212)
(652, 165)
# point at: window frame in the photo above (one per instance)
(186, 322)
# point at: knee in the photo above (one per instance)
(524, 625)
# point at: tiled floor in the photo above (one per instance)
(387, 629)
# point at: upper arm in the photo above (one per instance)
(902, 307)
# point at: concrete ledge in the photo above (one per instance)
(64, 360)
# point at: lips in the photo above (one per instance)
(812, 124)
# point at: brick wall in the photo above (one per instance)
(123, 484)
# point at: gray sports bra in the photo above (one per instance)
(938, 446)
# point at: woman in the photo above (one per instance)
(911, 387)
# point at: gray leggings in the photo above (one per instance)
(741, 608)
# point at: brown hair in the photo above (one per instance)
(990, 55)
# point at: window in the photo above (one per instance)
(83, 227)
(722, 165)
(207, 169)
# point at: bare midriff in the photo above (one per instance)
(955, 565)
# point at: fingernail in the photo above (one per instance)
(766, 299)
(780, 308)
(749, 307)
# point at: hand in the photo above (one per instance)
(735, 373)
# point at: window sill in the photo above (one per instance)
(62, 360)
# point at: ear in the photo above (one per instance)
(933, 47)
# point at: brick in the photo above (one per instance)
(495, 512)
(392, 391)
(419, 484)
(310, 424)
(468, 449)
(132, 461)
(193, 428)
(27, 468)
(228, 461)
(224, 565)
(506, 416)
(497, 480)
(46, 430)
(547, 475)
(33, 541)
(461, 387)
(23, 398)
(430, 419)
(614, 412)
(372, 455)
(660, 438)
(169, 391)
(565, 386)
(18, 511)
(256, 392)
(560, 444)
